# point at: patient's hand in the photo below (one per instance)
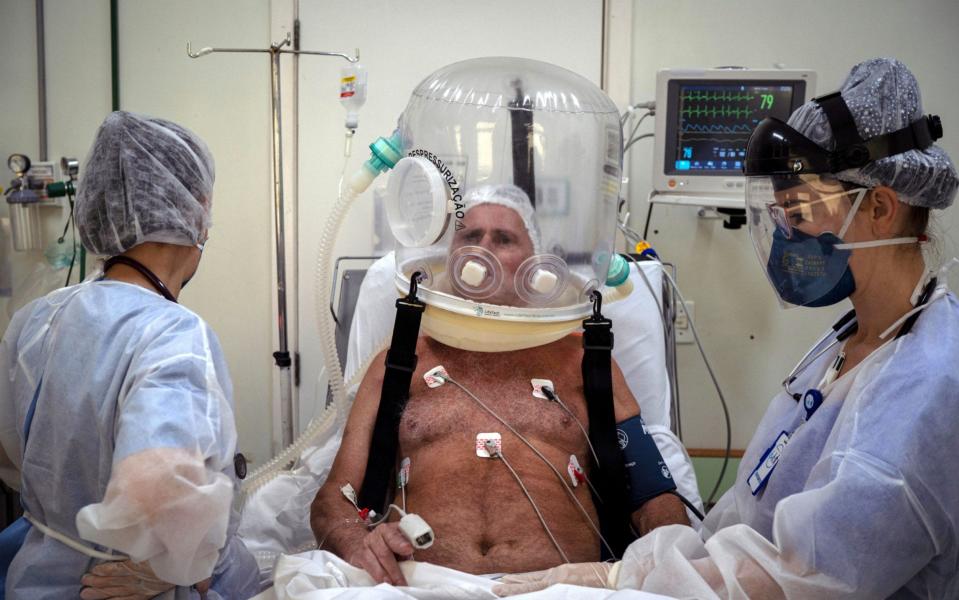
(376, 554)
(665, 509)
(126, 579)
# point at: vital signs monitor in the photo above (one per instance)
(704, 118)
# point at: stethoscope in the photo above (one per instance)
(844, 328)
(813, 398)
(155, 281)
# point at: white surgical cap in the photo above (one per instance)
(883, 96)
(145, 180)
(510, 196)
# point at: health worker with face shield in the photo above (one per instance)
(116, 424)
(845, 489)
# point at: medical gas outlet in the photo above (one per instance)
(684, 332)
(35, 185)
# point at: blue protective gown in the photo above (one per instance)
(92, 345)
(864, 502)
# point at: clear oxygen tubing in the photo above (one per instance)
(719, 390)
(324, 278)
(317, 426)
(331, 416)
(385, 154)
(634, 237)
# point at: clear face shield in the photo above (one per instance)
(797, 224)
(505, 202)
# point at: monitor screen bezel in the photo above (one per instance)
(695, 187)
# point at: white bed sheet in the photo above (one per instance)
(321, 575)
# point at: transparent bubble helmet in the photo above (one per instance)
(529, 158)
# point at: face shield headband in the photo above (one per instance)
(775, 148)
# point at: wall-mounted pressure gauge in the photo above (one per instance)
(70, 167)
(19, 164)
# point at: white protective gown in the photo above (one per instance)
(131, 446)
(864, 502)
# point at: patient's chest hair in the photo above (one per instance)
(502, 382)
(481, 513)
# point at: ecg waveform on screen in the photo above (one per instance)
(716, 140)
(724, 96)
(719, 116)
(716, 128)
(715, 121)
(725, 111)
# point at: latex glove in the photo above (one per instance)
(127, 580)
(599, 575)
(377, 553)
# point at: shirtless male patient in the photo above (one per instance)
(482, 520)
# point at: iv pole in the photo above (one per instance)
(281, 357)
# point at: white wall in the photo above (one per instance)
(751, 342)
(77, 97)
(18, 126)
(225, 99)
(401, 43)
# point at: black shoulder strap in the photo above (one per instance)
(609, 477)
(400, 364)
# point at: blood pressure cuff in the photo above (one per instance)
(646, 470)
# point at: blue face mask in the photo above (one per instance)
(809, 270)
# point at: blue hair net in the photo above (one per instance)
(145, 180)
(883, 96)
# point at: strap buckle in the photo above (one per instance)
(398, 366)
(598, 336)
(597, 329)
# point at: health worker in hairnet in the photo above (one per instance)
(845, 490)
(117, 419)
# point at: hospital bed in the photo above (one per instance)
(275, 518)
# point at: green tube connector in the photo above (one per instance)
(384, 154)
(618, 271)
(58, 189)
